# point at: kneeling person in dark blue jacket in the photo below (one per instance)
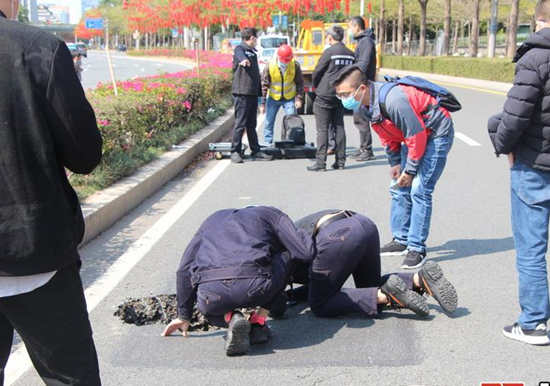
(239, 258)
(347, 244)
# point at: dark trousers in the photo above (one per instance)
(216, 298)
(246, 111)
(350, 246)
(53, 323)
(365, 135)
(324, 118)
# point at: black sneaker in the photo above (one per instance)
(236, 158)
(316, 168)
(365, 156)
(538, 336)
(435, 284)
(337, 166)
(259, 334)
(393, 248)
(413, 260)
(238, 335)
(261, 156)
(400, 296)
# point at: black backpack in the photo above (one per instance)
(294, 129)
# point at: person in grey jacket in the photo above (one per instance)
(46, 125)
(522, 131)
(365, 59)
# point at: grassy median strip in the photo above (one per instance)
(149, 116)
(499, 70)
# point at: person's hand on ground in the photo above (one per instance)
(405, 180)
(298, 104)
(511, 159)
(395, 171)
(177, 324)
(245, 63)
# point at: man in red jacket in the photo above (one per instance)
(417, 134)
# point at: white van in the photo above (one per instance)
(267, 47)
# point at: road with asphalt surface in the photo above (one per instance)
(470, 238)
(95, 68)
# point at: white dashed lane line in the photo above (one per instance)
(464, 138)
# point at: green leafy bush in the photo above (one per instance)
(500, 70)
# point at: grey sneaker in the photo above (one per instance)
(435, 284)
(400, 296)
(538, 336)
(393, 248)
(365, 156)
(236, 158)
(238, 335)
(413, 260)
(261, 156)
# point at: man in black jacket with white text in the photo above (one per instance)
(46, 125)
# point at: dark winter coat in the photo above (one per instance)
(365, 53)
(246, 80)
(331, 62)
(46, 125)
(523, 128)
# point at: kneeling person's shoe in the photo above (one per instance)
(238, 339)
(400, 296)
(413, 260)
(537, 336)
(261, 156)
(433, 282)
(259, 334)
(393, 248)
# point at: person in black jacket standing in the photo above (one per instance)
(46, 125)
(239, 258)
(327, 108)
(246, 89)
(365, 59)
(522, 132)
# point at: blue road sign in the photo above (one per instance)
(98, 23)
(284, 22)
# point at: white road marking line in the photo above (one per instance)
(19, 361)
(466, 139)
(245, 198)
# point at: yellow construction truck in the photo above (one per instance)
(310, 47)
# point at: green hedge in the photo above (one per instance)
(500, 70)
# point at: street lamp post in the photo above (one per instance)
(493, 29)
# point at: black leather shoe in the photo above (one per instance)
(400, 296)
(238, 335)
(316, 168)
(259, 334)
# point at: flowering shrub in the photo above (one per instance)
(151, 114)
(204, 56)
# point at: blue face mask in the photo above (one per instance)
(351, 103)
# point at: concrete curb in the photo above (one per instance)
(468, 82)
(104, 208)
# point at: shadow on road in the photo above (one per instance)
(458, 249)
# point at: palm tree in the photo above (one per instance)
(512, 29)
(400, 27)
(474, 36)
(447, 28)
(423, 11)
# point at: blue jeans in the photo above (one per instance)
(530, 219)
(271, 110)
(411, 207)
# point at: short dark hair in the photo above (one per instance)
(358, 21)
(248, 33)
(336, 32)
(542, 10)
(353, 73)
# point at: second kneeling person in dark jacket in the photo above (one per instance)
(239, 258)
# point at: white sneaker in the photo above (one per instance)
(538, 336)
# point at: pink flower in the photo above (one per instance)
(187, 105)
(103, 122)
(180, 90)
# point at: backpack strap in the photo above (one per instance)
(383, 93)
